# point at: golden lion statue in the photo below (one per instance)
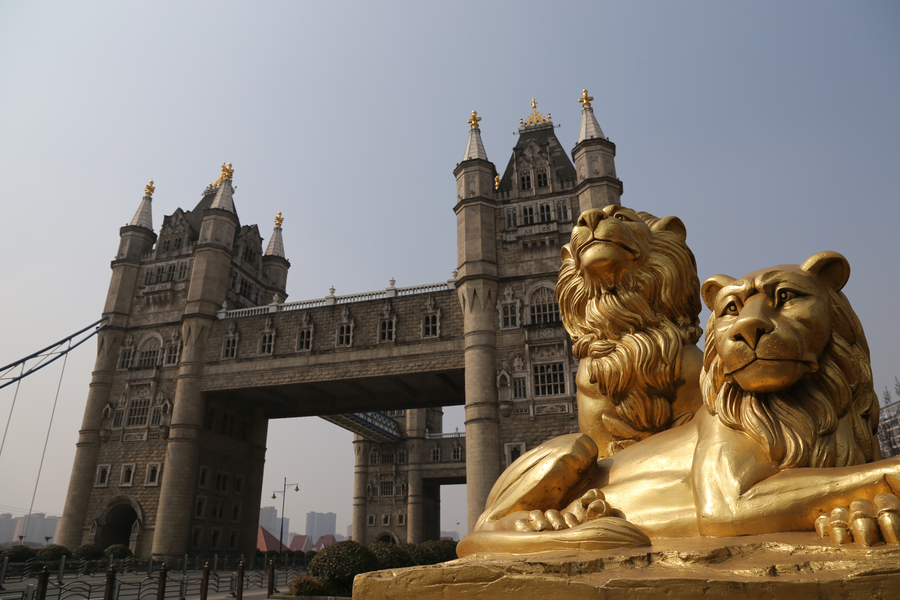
(630, 299)
(785, 442)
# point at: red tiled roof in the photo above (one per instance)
(267, 542)
(324, 541)
(301, 542)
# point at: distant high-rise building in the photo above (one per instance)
(7, 528)
(39, 528)
(319, 524)
(268, 519)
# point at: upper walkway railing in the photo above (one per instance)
(331, 299)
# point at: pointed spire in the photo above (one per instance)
(475, 149)
(590, 128)
(276, 243)
(144, 215)
(225, 190)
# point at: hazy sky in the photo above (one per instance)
(771, 128)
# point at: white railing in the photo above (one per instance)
(444, 436)
(331, 299)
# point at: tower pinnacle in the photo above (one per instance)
(224, 191)
(589, 126)
(475, 149)
(144, 215)
(276, 243)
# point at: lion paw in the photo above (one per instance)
(591, 505)
(865, 522)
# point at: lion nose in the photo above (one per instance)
(753, 322)
(591, 218)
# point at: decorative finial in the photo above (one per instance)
(279, 220)
(535, 118)
(585, 99)
(149, 189)
(474, 120)
(227, 173)
(496, 182)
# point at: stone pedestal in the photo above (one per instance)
(793, 566)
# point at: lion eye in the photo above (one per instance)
(783, 295)
(731, 309)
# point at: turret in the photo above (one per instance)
(275, 265)
(594, 156)
(136, 239)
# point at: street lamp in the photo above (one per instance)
(283, 493)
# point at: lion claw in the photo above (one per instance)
(865, 522)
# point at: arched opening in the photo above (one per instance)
(389, 538)
(117, 526)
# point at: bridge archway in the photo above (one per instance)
(119, 523)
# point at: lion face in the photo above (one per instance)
(609, 243)
(772, 325)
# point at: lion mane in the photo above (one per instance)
(632, 333)
(827, 419)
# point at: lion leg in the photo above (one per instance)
(866, 522)
(547, 477)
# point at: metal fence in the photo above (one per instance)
(158, 585)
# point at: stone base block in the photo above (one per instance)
(793, 566)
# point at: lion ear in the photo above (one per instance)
(711, 288)
(830, 267)
(566, 253)
(672, 225)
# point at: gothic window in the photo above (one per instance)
(267, 338)
(549, 380)
(234, 281)
(170, 272)
(148, 277)
(233, 540)
(229, 344)
(527, 215)
(165, 245)
(138, 412)
(196, 537)
(370, 520)
(519, 388)
(457, 453)
(214, 539)
(221, 482)
(176, 243)
(544, 212)
(436, 454)
(509, 309)
(152, 474)
(200, 507)
(431, 320)
(304, 333)
(401, 519)
(387, 488)
(172, 354)
(401, 457)
(387, 325)
(344, 329)
(156, 415)
(118, 417)
(562, 210)
(544, 308)
(127, 475)
(160, 273)
(182, 271)
(102, 478)
(511, 218)
(542, 178)
(247, 288)
(514, 451)
(125, 358)
(373, 458)
(525, 180)
(218, 510)
(148, 354)
(236, 512)
(204, 478)
(387, 458)
(385, 520)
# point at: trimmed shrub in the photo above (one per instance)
(343, 561)
(18, 554)
(390, 556)
(53, 553)
(88, 551)
(443, 550)
(421, 554)
(307, 586)
(118, 551)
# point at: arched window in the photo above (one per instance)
(544, 309)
